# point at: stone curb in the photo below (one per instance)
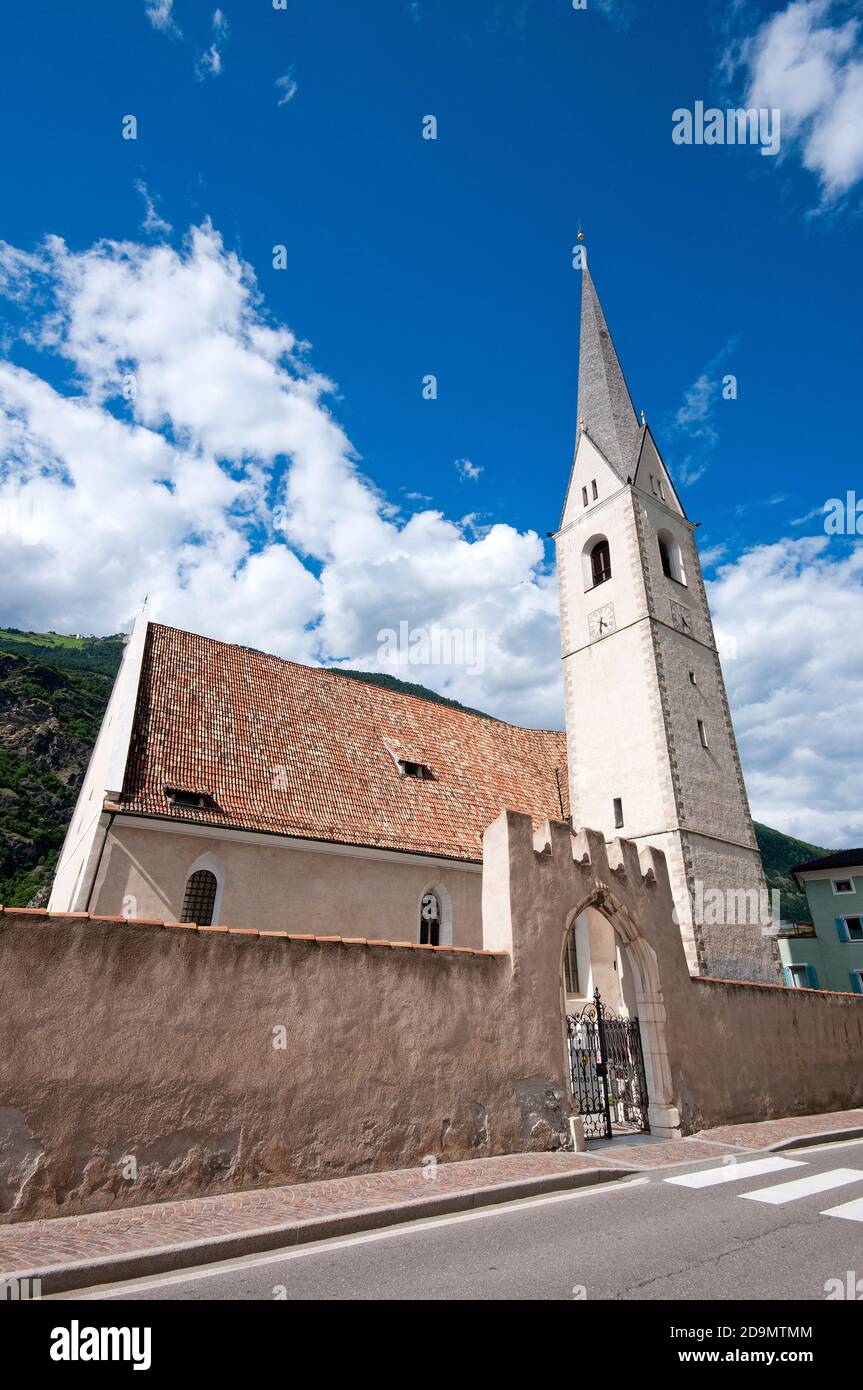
(828, 1136)
(134, 1264)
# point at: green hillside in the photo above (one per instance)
(778, 853)
(100, 654)
(49, 719)
(53, 693)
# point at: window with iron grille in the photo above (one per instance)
(200, 898)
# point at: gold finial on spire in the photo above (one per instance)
(580, 236)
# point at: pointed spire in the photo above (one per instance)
(604, 403)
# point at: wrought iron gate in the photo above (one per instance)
(607, 1070)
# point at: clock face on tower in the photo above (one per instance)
(681, 617)
(601, 621)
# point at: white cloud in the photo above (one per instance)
(693, 434)
(467, 471)
(160, 15)
(209, 63)
(808, 61)
(222, 485)
(225, 488)
(712, 554)
(810, 515)
(152, 221)
(793, 610)
(287, 87)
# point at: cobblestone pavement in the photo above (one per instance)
(34, 1245)
(639, 1151)
(620, 1153)
(767, 1132)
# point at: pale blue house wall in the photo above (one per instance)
(834, 959)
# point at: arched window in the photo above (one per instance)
(600, 562)
(200, 898)
(665, 556)
(430, 920)
(672, 560)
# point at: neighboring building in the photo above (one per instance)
(228, 785)
(827, 953)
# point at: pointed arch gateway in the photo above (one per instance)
(640, 1004)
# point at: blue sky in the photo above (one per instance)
(451, 256)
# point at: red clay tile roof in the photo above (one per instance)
(303, 751)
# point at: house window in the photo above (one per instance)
(600, 562)
(430, 920)
(842, 885)
(661, 488)
(666, 558)
(702, 733)
(618, 813)
(853, 928)
(200, 898)
(584, 496)
(593, 489)
(801, 977)
(856, 978)
(570, 964)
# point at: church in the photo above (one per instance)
(232, 787)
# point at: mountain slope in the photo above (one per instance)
(53, 693)
(100, 654)
(778, 853)
(49, 719)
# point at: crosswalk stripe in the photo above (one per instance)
(805, 1187)
(734, 1172)
(849, 1211)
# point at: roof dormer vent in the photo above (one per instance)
(418, 770)
(191, 798)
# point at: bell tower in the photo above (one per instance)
(651, 746)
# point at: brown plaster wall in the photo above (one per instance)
(763, 1051)
(123, 1039)
(733, 1050)
(139, 1039)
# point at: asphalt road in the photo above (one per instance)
(735, 1235)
